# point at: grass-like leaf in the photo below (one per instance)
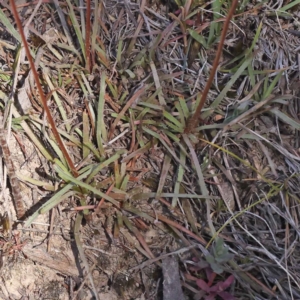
(9, 26)
(104, 164)
(100, 130)
(199, 38)
(76, 27)
(285, 118)
(268, 90)
(228, 86)
(289, 6)
(179, 177)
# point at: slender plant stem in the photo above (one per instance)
(42, 95)
(88, 34)
(193, 122)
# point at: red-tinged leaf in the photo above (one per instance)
(227, 283)
(203, 285)
(217, 287)
(210, 275)
(226, 296)
(222, 285)
(190, 22)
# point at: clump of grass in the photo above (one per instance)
(143, 96)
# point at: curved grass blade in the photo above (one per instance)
(154, 134)
(201, 181)
(58, 102)
(104, 164)
(31, 135)
(56, 199)
(271, 87)
(285, 118)
(9, 27)
(289, 6)
(75, 181)
(76, 27)
(228, 86)
(173, 120)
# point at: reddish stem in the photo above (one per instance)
(192, 123)
(88, 34)
(42, 95)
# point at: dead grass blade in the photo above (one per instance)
(241, 160)
(88, 34)
(31, 135)
(81, 252)
(179, 177)
(253, 109)
(136, 95)
(285, 118)
(163, 175)
(228, 86)
(85, 135)
(138, 236)
(201, 181)
(63, 22)
(162, 140)
(58, 102)
(161, 99)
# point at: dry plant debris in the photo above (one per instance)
(97, 99)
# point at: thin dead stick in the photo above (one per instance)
(50, 230)
(153, 260)
(14, 181)
(178, 226)
(82, 283)
(81, 252)
(97, 209)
